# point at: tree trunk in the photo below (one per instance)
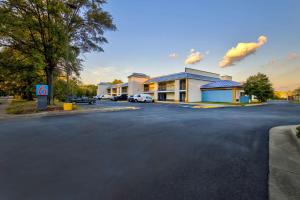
(49, 73)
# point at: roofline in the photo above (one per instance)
(104, 83)
(200, 71)
(142, 75)
(164, 75)
(215, 88)
(186, 77)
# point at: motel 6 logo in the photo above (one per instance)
(41, 90)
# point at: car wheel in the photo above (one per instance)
(136, 100)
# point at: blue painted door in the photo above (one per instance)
(217, 96)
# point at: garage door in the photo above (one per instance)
(217, 96)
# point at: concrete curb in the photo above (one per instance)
(210, 104)
(284, 163)
(256, 104)
(199, 104)
(61, 113)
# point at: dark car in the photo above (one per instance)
(82, 100)
(121, 97)
(130, 98)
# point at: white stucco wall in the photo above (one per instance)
(194, 92)
(102, 89)
(155, 88)
(177, 88)
(170, 96)
(136, 85)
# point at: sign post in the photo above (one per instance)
(41, 94)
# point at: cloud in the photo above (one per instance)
(173, 55)
(293, 56)
(242, 50)
(194, 57)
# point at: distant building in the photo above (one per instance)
(102, 88)
(192, 85)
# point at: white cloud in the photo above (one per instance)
(173, 55)
(242, 50)
(194, 57)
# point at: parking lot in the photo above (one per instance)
(161, 151)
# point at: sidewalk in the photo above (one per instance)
(284, 163)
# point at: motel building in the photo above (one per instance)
(192, 85)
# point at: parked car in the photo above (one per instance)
(119, 97)
(143, 98)
(130, 98)
(98, 97)
(106, 96)
(82, 100)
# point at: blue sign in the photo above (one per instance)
(41, 90)
(244, 99)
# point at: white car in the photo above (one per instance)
(106, 96)
(98, 97)
(143, 98)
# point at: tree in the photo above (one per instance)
(19, 74)
(116, 81)
(260, 86)
(55, 30)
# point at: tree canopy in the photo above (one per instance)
(54, 31)
(259, 86)
(19, 74)
(116, 81)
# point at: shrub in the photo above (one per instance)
(298, 131)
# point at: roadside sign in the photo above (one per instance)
(41, 90)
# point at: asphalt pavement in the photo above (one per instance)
(165, 152)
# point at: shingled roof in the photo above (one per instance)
(221, 84)
(181, 75)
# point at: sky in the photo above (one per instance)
(233, 37)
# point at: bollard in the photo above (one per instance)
(68, 106)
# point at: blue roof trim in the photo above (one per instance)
(124, 85)
(181, 75)
(221, 84)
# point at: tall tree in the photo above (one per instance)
(54, 29)
(259, 86)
